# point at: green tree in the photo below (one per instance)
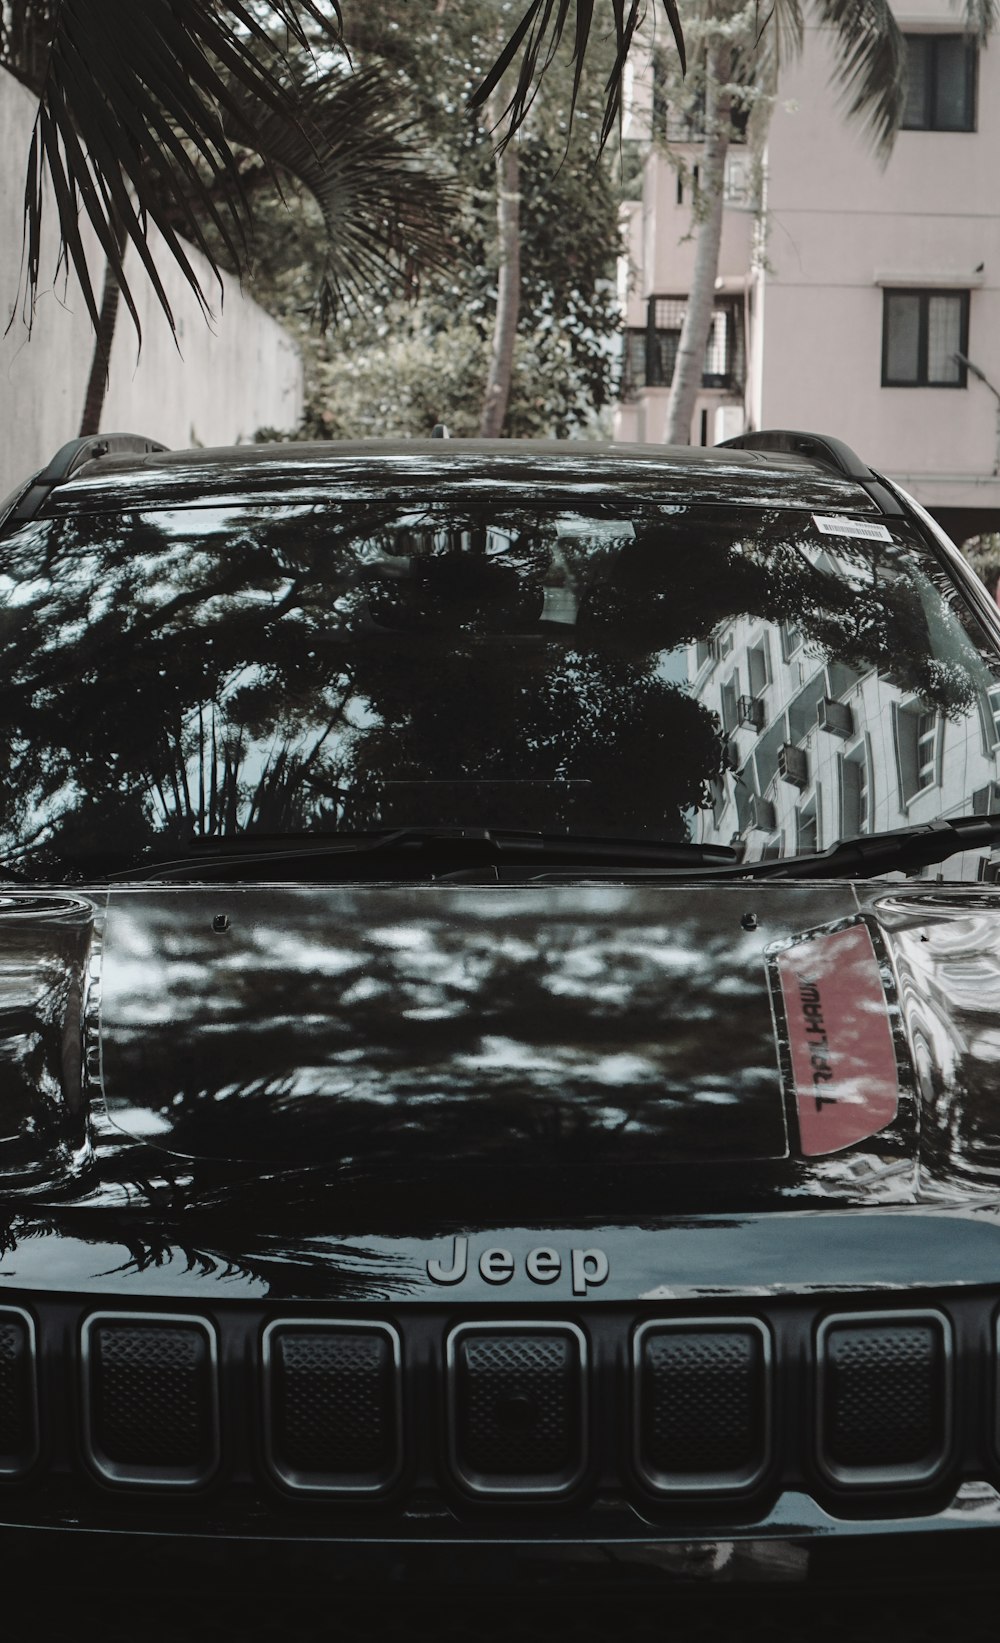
(516, 334)
(142, 112)
(128, 141)
(983, 554)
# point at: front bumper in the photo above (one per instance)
(433, 1438)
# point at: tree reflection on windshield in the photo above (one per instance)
(204, 671)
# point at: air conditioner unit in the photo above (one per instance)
(986, 799)
(793, 766)
(761, 813)
(751, 711)
(836, 717)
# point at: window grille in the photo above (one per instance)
(917, 743)
(650, 353)
(923, 332)
(940, 82)
(926, 750)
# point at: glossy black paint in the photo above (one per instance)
(488, 1031)
(911, 1215)
(46, 942)
(438, 1103)
(525, 469)
(355, 1025)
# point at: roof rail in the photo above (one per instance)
(833, 453)
(824, 449)
(71, 457)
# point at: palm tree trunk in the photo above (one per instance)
(497, 394)
(97, 382)
(698, 316)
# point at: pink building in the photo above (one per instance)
(847, 290)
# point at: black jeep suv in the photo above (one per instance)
(499, 1006)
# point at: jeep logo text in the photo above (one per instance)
(588, 1268)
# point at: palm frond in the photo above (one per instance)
(357, 149)
(133, 100)
(779, 32)
(871, 66)
(981, 18)
(537, 38)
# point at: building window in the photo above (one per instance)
(922, 333)
(855, 792)
(758, 668)
(738, 187)
(926, 750)
(940, 83)
(651, 353)
(717, 793)
(807, 830)
(730, 704)
(991, 716)
(918, 750)
(791, 640)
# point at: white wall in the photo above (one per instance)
(241, 373)
(840, 228)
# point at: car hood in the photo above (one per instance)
(599, 1023)
(527, 1051)
(588, 1042)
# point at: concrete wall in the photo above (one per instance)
(658, 232)
(229, 378)
(669, 230)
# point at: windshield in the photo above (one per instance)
(770, 678)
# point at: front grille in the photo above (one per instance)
(517, 1404)
(18, 1398)
(332, 1406)
(679, 1417)
(884, 1401)
(703, 1405)
(150, 1399)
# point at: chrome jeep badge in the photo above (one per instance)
(589, 1268)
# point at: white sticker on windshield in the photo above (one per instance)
(839, 524)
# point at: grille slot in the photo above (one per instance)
(517, 1399)
(18, 1394)
(702, 1404)
(884, 1397)
(333, 1420)
(150, 1399)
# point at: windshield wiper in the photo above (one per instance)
(905, 850)
(431, 849)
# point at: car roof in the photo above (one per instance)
(293, 471)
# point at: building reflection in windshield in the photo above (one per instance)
(731, 675)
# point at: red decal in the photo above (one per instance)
(843, 1060)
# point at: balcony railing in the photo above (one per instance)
(651, 351)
